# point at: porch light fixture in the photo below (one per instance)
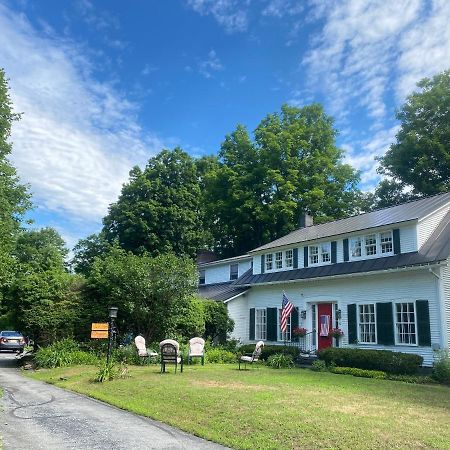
(303, 314)
(113, 312)
(338, 314)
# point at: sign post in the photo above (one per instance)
(100, 331)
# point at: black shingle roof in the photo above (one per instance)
(435, 249)
(402, 213)
(220, 292)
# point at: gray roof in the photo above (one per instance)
(435, 249)
(220, 292)
(387, 216)
(224, 261)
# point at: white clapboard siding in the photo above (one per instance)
(217, 273)
(257, 264)
(239, 312)
(445, 273)
(408, 238)
(244, 266)
(427, 225)
(389, 287)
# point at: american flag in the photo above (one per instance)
(286, 309)
(324, 325)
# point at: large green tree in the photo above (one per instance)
(44, 299)
(419, 160)
(14, 198)
(159, 210)
(260, 187)
(152, 293)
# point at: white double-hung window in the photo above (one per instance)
(320, 253)
(261, 324)
(370, 245)
(287, 335)
(367, 324)
(289, 258)
(269, 261)
(313, 254)
(278, 260)
(405, 324)
(386, 242)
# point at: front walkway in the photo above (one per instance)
(36, 415)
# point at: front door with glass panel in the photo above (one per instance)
(324, 325)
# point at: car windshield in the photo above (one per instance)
(11, 333)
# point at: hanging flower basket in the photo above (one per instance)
(299, 332)
(336, 333)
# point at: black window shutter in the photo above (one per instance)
(305, 256)
(263, 262)
(423, 322)
(346, 252)
(294, 322)
(295, 253)
(385, 324)
(333, 252)
(252, 325)
(352, 331)
(272, 324)
(396, 239)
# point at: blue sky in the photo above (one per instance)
(104, 85)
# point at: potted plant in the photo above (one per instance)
(299, 332)
(336, 333)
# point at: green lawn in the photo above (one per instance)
(267, 408)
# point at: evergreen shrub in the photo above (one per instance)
(441, 368)
(384, 360)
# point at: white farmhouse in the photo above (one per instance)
(383, 278)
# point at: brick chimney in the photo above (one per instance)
(305, 220)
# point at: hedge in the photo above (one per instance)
(384, 360)
(378, 374)
(269, 350)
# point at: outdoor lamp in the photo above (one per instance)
(113, 312)
(338, 314)
(303, 314)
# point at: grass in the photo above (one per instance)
(276, 409)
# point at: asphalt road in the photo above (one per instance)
(36, 415)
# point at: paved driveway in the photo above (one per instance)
(40, 416)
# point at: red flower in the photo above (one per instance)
(298, 331)
(336, 333)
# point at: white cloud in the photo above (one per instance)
(367, 53)
(230, 14)
(78, 138)
(281, 8)
(361, 154)
(365, 49)
(210, 65)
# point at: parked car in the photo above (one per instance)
(12, 340)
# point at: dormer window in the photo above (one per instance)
(289, 258)
(201, 276)
(234, 271)
(372, 244)
(278, 260)
(319, 254)
(325, 250)
(386, 242)
(269, 261)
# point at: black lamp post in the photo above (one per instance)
(112, 313)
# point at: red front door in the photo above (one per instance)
(324, 325)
